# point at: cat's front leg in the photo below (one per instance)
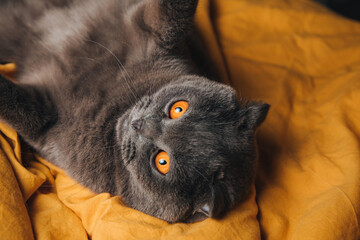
(25, 108)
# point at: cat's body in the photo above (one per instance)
(89, 69)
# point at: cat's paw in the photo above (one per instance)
(180, 8)
(170, 20)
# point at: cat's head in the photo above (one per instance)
(189, 150)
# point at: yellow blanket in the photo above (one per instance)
(295, 55)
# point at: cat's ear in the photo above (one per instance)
(169, 20)
(198, 216)
(212, 208)
(253, 115)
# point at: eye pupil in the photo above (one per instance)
(162, 162)
(178, 109)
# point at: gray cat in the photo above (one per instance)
(107, 92)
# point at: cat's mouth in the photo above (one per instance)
(122, 127)
(125, 137)
(125, 124)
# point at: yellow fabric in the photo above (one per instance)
(8, 70)
(295, 55)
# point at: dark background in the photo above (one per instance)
(347, 8)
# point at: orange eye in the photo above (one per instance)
(162, 162)
(178, 109)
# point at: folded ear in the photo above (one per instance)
(212, 208)
(170, 20)
(253, 115)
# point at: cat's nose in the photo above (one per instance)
(137, 124)
(147, 128)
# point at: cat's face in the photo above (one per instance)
(206, 146)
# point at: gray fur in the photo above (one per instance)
(89, 68)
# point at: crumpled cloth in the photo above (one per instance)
(294, 54)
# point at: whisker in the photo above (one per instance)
(150, 84)
(121, 67)
(202, 175)
(87, 58)
(224, 124)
